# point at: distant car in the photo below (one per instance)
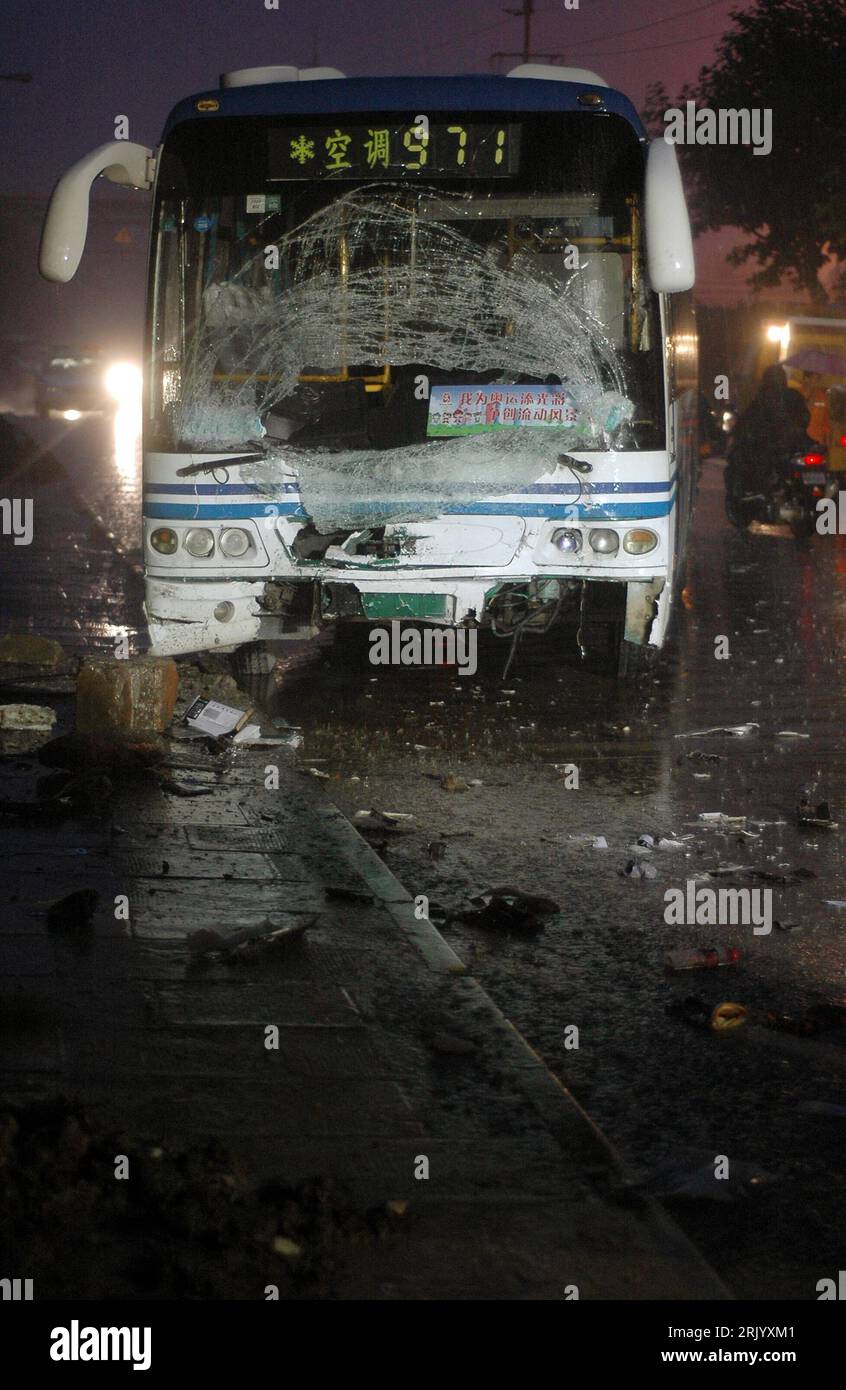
(73, 379)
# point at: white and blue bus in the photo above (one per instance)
(418, 348)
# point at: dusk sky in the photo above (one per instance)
(94, 60)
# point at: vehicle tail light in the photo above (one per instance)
(813, 460)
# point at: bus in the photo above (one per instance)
(418, 349)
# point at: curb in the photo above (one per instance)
(550, 1098)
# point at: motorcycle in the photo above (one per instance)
(789, 493)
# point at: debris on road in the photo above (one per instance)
(27, 649)
(38, 717)
(212, 683)
(728, 1016)
(819, 817)
(734, 730)
(228, 945)
(73, 913)
(639, 868)
(705, 958)
(384, 822)
(787, 877)
(211, 717)
(599, 843)
(451, 783)
(819, 1018)
(188, 787)
(138, 692)
(23, 728)
(508, 909)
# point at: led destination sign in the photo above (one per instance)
(447, 149)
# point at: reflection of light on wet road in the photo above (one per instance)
(127, 440)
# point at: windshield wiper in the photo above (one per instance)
(212, 465)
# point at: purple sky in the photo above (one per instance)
(95, 59)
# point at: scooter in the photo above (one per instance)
(790, 494)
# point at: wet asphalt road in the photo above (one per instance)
(663, 1090)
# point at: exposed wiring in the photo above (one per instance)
(577, 468)
(537, 620)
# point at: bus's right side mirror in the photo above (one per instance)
(66, 223)
(666, 225)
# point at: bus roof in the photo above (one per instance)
(413, 94)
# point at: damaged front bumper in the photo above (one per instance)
(204, 615)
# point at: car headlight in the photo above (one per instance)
(199, 542)
(123, 382)
(604, 542)
(164, 540)
(639, 542)
(235, 542)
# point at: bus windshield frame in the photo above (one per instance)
(571, 180)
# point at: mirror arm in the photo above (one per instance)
(66, 223)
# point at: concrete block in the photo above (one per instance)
(26, 649)
(138, 693)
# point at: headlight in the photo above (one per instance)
(123, 383)
(235, 542)
(639, 542)
(604, 542)
(164, 541)
(199, 543)
(570, 542)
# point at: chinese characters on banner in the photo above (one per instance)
(477, 409)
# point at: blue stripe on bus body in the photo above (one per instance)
(251, 489)
(622, 511)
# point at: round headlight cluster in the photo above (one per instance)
(234, 542)
(604, 541)
(199, 542)
(567, 541)
(164, 540)
(639, 542)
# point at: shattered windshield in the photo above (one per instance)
(405, 306)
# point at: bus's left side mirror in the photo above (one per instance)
(666, 225)
(66, 223)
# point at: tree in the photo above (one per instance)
(788, 56)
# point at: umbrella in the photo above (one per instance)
(814, 360)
